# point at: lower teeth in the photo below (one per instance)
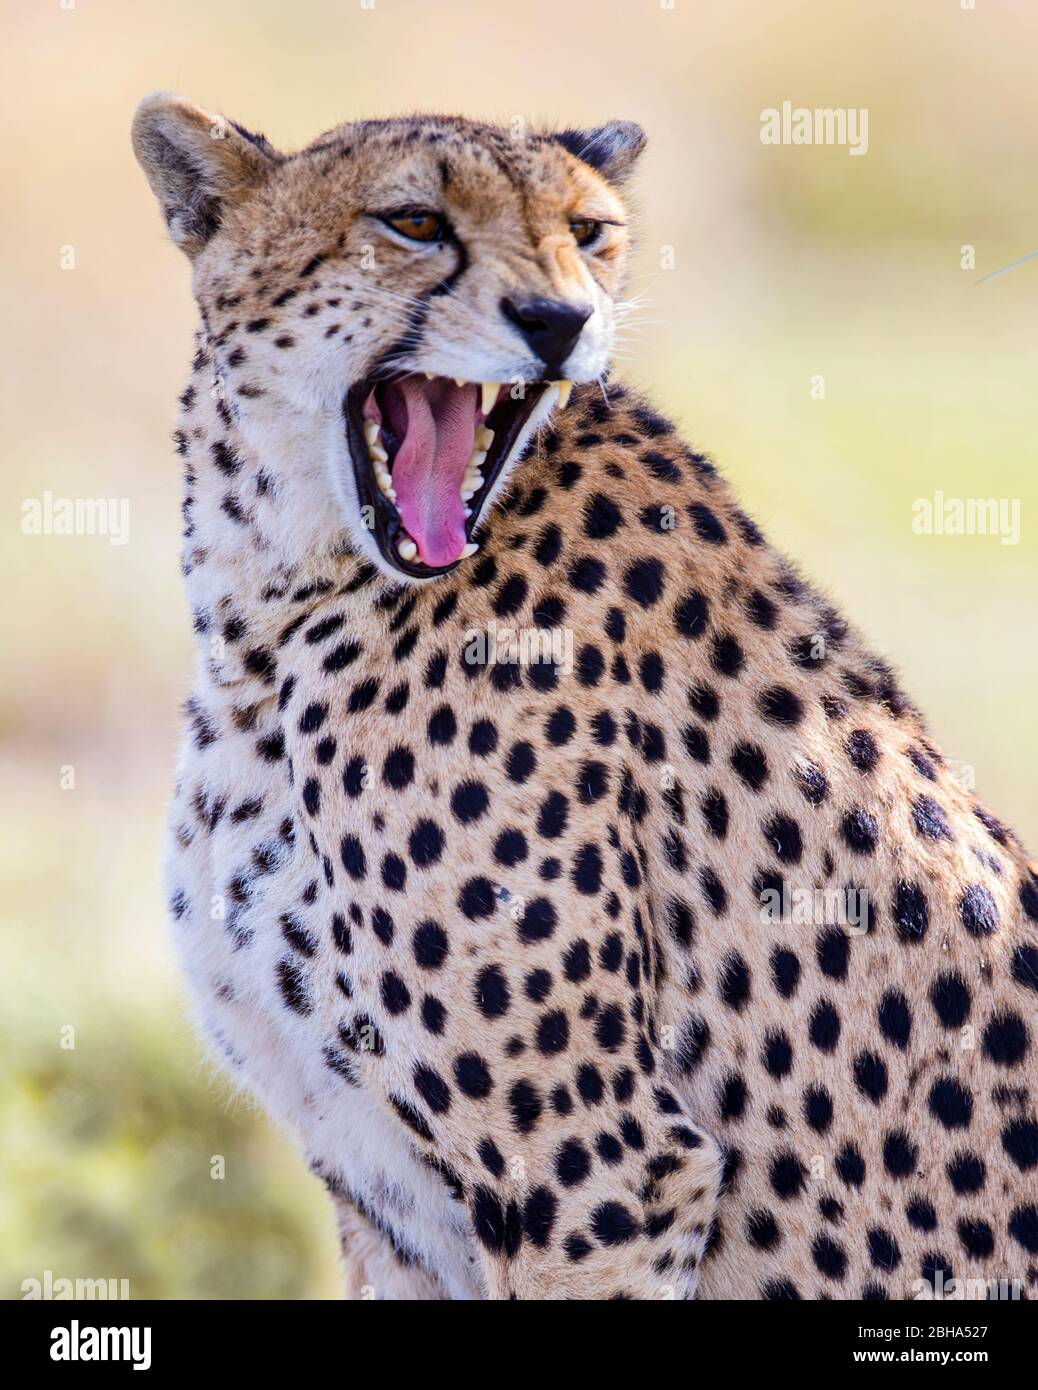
(473, 480)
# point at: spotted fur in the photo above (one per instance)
(490, 938)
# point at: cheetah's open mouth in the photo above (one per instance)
(426, 453)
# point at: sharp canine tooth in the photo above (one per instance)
(430, 376)
(470, 549)
(484, 437)
(565, 387)
(488, 395)
(371, 431)
(458, 381)
(406, 549)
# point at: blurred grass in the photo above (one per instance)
(788, 262)
(107, 1152)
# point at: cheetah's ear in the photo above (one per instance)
(197, 164)
(612, 149)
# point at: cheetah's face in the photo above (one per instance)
(432, 285)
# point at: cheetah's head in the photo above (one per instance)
(428, 285)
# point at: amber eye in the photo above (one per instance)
(585, 230)
(418, 226)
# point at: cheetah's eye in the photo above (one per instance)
(585, 230)
(418, 226)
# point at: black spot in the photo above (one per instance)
(488, 1219)
(818, 1108)
(538, 920)
(884, 1251)
(643, 581)
(824, 1027)
(539, 1211)
(829, 1257)
(929, 820)
(951, 1001)
(552, 1033)
(352, 854)
(690, 619)
(787, 1174)
(833, 952)
(613, 1224)
(895, 1018)
(492, 994)
(726, 656)
(1025, 966)
(783, 834)
(432, 1088)
(750, 764)
(472, 1075)
(921, 1214)
(860, 831)
(870, 1076)
(1023, 1227)
(587, 574)
(706, 524)
(395, 995)
(862, 751)
(812, 782)
(777, 1054)
(966, 1173)
(911, 913)
(951, 1103)
(1005, 1039)
(572, 1163)
(899, 1154)
(426, 843)
(762, 1230)
(292, 985)
(850, 1166)
(1020, 1141)
(477, 899)
(510, 596)
(780, 706)
(469, 801)
(398, 768)
(785, 972)
(734, 981)
(602, 517)
(977, 910)
(430, 945)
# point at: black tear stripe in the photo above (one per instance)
(411, 338)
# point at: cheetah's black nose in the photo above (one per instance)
(550, 326)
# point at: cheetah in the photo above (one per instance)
(667, 959)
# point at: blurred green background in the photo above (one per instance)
(761, 268)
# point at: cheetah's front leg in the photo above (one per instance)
(373, 1266)
(583, 1177)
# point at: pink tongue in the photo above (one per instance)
(436, 424)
